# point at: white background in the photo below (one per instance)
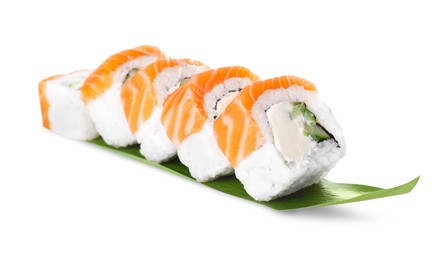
(376, 64)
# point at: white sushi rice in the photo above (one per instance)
(265, 174)
(200, 151)
(68, 114)
(155, 144)
(201, 154)
(107, 110)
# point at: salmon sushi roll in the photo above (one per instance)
(189, 114)
(102, 92)
(62, 108)
(143, 96)
(279, 136)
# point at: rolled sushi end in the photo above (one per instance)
(200, 151)
(144, 96)
(300, 146)
(66, 113)
(102, 93)
(201, 154)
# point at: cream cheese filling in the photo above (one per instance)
(289, 137)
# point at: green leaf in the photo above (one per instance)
(324, 193)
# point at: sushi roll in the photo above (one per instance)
(279, 136)
(102, 92)
(143, 96)
(189, 114)
(62, 108)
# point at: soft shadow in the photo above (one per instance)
(338, 212)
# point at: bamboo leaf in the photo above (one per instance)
(324, 193)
